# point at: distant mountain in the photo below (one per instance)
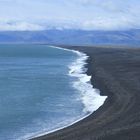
(72, 37)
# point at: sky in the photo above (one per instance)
(69, 14)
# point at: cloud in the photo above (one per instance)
(73, 14)
(20, 26)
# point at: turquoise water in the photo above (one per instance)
(36, 92)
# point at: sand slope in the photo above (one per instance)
(116, 72)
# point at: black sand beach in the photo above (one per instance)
(116, 72)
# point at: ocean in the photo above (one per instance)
(43, 88)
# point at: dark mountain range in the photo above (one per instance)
(70, 37)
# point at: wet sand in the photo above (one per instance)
(116, 72)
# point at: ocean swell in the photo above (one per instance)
(90, 96)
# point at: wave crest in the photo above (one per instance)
(90, 96)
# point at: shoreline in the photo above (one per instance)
(82, 73)
(113, 117)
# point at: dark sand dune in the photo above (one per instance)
(116, 72)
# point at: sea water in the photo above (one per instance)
(42, 88)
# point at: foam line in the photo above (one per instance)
(90, 96)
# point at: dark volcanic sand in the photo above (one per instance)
(116, 72)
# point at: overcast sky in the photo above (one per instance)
(75, 14)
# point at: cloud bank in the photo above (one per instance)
(73, 14)
(20, 26)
